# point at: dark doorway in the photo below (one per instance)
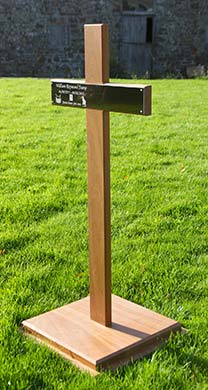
(136, 37)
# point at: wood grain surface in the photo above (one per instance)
(98, 143)
(135, 331)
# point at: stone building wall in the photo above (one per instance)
(44, 38)
(180, 36)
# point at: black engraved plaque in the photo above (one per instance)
(129, 98)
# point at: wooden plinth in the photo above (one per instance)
(135, 332)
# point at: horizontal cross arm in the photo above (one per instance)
(125, 98)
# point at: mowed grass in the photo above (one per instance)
(159, 230)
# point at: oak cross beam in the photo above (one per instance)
(125, 98)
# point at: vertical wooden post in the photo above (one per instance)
(97, 72)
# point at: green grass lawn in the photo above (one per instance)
(159, 230)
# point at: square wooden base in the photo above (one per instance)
(135, 332)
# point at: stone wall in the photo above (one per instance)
(180, 36)
(44, 38)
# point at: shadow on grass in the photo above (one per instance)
(17, 243)
(195, 361)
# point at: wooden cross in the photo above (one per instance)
(100, 97)
(108, 330)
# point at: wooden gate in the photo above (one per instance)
(136, 34)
